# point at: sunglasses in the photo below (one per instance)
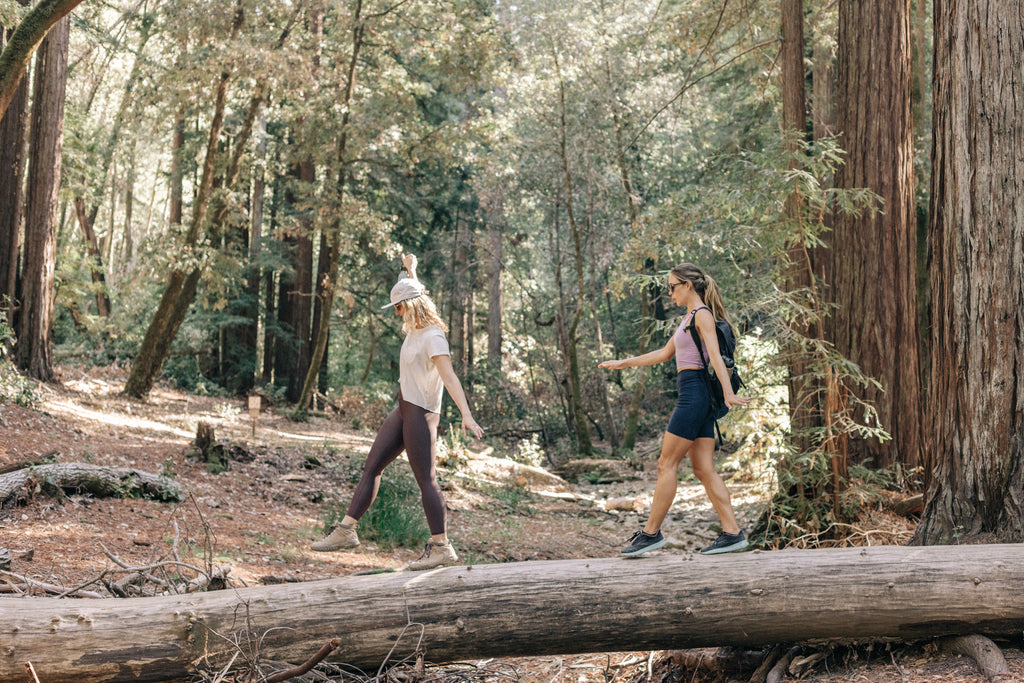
(672, 286)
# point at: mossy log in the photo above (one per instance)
(76, 477)
(529, 608)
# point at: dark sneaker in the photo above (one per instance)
(641, 542)
(340, 536)
(726, 543)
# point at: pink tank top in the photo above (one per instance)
(687, 354)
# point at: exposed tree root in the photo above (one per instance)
(984, 652)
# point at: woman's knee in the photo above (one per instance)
(668, 464)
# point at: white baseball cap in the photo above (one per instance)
(405, 289)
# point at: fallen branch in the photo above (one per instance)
(26, 584)
(307, 666)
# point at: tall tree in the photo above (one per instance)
(34, 351)
(804, 414)
(975, 422)
(13, 126)
(183, 280)
(874, 253)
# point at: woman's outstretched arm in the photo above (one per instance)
(653, 358)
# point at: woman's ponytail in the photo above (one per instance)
(705, 286)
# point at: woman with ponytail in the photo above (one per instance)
(691, 429)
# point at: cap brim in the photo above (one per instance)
(398, 302)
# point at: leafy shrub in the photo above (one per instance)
(396, 517)
(14, 388)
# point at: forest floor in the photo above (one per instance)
(264, 513)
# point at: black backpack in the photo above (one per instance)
(727, 347)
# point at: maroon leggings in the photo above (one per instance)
(413, 429)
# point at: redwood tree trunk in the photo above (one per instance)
(874, 266)
(35, 329)
(13, 126)
(804, 412)
(976, 239)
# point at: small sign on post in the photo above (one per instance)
(254, 412)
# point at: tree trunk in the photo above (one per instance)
(804, 412)
(494, 312)
(96, 264)
(181, 287)
(460, 294)
(18, 50)
(633, 207)
(13, 126)
(976, 410)
(35, 329)
(874, 254)
(529, 609)
(584, 446)
(329, 288)
(823, 93)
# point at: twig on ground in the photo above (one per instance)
(305, 667)
(59, 591)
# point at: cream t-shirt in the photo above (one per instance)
(418, 376)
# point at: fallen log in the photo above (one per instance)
(76, 477)
(529, 608)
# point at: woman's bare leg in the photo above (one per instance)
(673, 450)
(702, 459)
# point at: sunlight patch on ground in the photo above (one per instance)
(73, 410)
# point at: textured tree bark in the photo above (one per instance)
(804, 409)
(874, 254)
(976, 244)
(34, 352)
(13, 126)
(530, 608)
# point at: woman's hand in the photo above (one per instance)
(470, 424)
(410, 261)
(614, 364)
(732, 400)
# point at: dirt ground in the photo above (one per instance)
(263, 514)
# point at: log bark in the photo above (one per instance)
(530, 608)
(19, 485)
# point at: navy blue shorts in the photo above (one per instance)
(693, 418)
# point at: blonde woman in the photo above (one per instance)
(690, 430)
(425, 371)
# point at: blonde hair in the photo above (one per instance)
(420, 311)
(705, 286)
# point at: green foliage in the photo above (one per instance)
(14, 388)
(795, 519)
(396, 517)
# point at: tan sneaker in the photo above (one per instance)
(434, 555)
(340, 536)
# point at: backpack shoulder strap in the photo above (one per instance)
(692, 327)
